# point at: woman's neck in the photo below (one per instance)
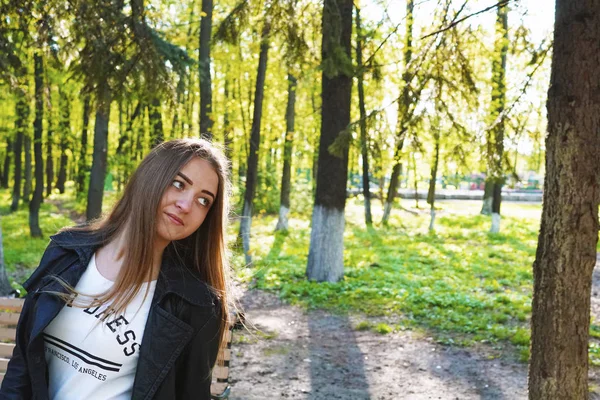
(110, 257)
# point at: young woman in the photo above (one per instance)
(133, 306)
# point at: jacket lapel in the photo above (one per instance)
(165, 336)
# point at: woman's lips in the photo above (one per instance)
(174, 219)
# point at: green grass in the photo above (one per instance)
(22, 253)
(461, 282)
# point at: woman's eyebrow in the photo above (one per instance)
(189, 181)
(209, 193)
(185, 178)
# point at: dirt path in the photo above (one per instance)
(316, 355)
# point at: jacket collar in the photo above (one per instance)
(176, 275)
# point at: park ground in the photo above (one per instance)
(305, 352)
(418, 315)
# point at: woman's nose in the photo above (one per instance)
(184, 203)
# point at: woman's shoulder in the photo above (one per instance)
(54, 256)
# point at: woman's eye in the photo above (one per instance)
(177, 184)
(203, 201)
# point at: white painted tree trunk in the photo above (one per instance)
(245, 223)
(387, 210)
(432, 221)
(282, 222)
(495, 223)
(326, 256)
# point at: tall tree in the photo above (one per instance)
(155, 115)
(290, 116)
(364, 154)
(227, 126)
(64, 130)
(434, 171)
(252, 163)
(7, 163)
(36, 200)
(81, 162)
(22, 115)
(206, 118)
(404, 105)
(496, 134)
(325, 257)
(49, 141)
(5, 287)
(27, 184)
(566, 252)
(99, 155)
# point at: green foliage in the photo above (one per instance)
(363, 326)
(384, 329)
(22, 253)
(462, 283)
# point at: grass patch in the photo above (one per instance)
(363, 326)
(461, 282)
(384, 329)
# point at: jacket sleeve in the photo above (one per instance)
(194, 373)
(16, 384)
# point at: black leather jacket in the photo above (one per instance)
(180, 342)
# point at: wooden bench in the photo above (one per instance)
(9, 317)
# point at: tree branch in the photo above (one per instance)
(454, 23)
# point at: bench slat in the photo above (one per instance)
(6, 349)
(3, 364)
(220, 372)
(11, 304)
(8, 333)
(9, 318)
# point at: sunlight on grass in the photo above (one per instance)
(459, 281)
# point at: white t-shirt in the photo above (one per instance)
(88, 359)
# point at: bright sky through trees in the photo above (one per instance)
(535, 15)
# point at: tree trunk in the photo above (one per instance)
(433, 178)
(36, 200)
(49, 140)
(315, 154)
(64, 130)
(155, 116)
(251, 174)
(179, 102)
(403, 106)
(28, 168)
(363, 123)
(81, 164)
(416, 179)
(488, 196)
(227, 129)
(326, 253)
(5, 287)
(7, 163)
(286, 175)
(566, 252)
(22, 114)
(98, 171)
(498, 105)
(206, 117)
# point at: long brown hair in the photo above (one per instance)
(134, 217)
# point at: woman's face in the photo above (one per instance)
(186, 201)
